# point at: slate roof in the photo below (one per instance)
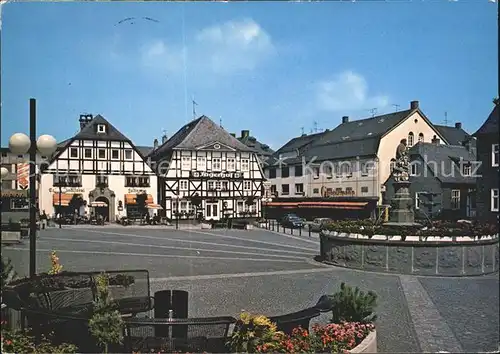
(89, 132)
(490, 126)
(260, 148)
(199, 132)
(343, 149)
(446, 158)
(453, 135)
(144, 150)
(298, 142)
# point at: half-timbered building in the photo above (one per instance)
(103, 169)
(204, 170)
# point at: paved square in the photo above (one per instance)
(273, 273)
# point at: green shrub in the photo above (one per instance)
(19, 341)
(353, 305)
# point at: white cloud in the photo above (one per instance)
(227, 48)
(347, 92)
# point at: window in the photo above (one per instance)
(455, 198)
(417, 201)
(298, 171)
(216, 165)
(348, 190)
(225, 185)
(273, 189)
(210, 185)
(421, 137)
(315, 172)
(285, 172)
(101, 153)
(143, 181)
(73, 152)
(201, 163)
(364, 190)
(466, 169)
(128, 154)
(184, 185)
(186, 163)
(87, 153)
(494, 199)
(101, 181)
(393, 164)
(316, 191)
(183, 205)
(71, 181)
(240, 207)
(299, 188)
(19, 203)
(245, 166)
(231, 164)
(285, 189)
(494, 155)
(410, 139)
(364, 169)
(218, 185)
(272, 173)
(191, 208)
(101, 128)
(413, 169)
(115, 154)
(328, 170)
(131, 181)
(247, 185)
(345, 169)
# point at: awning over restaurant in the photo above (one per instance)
(130, 199)
(155, 206)
(330, 205)
(98, 204)
(65, 199)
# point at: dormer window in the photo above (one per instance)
(101, 128)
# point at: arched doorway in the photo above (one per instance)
(102, 208)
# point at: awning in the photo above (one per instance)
(130, 199)
(154, 206)
(98, 204)
(326, 205)
(65, 199)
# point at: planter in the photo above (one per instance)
(368, 345)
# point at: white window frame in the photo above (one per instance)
(101, 128)
(71, 149)
(85, 155)
(216, 164)
(218, 185)
(247, 185)
(128, 151)
(225, 185)
(183, 185)
(494, 155)
(417, 200)
(411, 139)
(245, 165)
(201, 163)
(413, 169)
(301, 191)
(186, 163)
(494, 196)
(210, 185)
(231, 164)
(115, 158)
(99, 155)
(466, 169)
(455, 199)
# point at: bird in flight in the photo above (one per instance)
(131, 20)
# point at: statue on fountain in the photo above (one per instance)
(402, 166)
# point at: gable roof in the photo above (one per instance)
(199, 132)
(490, 126)
(89, 132)
(260, 148)
(446, 158)
(453, 135)
(145, 150)
(298, 142)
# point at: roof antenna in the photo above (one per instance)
(315, 126)
(445, 118)
(302, 129)
(397, 107)
(220, 121)
(194, 108)
(373, 111)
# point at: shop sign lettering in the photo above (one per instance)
(67, 190)
(200, 174)
(136, 191)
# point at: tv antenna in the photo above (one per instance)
(302, 130)
(220, 121)
(194, 108)
(396, 106)
(445, 118)
(315, 124)
(373, 111)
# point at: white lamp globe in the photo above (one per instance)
(46, 144)
(19, 144)
(4, 172)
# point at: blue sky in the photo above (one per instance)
(269, 67)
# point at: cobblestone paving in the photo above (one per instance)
(271, 273)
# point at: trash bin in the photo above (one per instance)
(175, 301)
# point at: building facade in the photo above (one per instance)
(354, 159)
(488, 156)
(204, 170)
(100, 167)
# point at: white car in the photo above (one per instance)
(319, 223)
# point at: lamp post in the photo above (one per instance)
(20, 144)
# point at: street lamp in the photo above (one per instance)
(20, 144)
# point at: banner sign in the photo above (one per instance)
(333, 193)
(23, 173)
(216, 175)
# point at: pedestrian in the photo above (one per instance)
(43, 220)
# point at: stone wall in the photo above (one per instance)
(457, 258)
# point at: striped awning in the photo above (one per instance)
(98, 204)
(155, 206)
(130, 199)
(64, 200)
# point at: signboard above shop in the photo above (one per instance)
(216, 175)
(329, 193)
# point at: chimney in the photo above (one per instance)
(155, 144)
(164, 138)
(413, 104)
(233, 135)
(84, 120)
(435, 140)
(345, 119)
(458, 125)
(245, 133)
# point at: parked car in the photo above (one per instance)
(293, 221)
(318, 224)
